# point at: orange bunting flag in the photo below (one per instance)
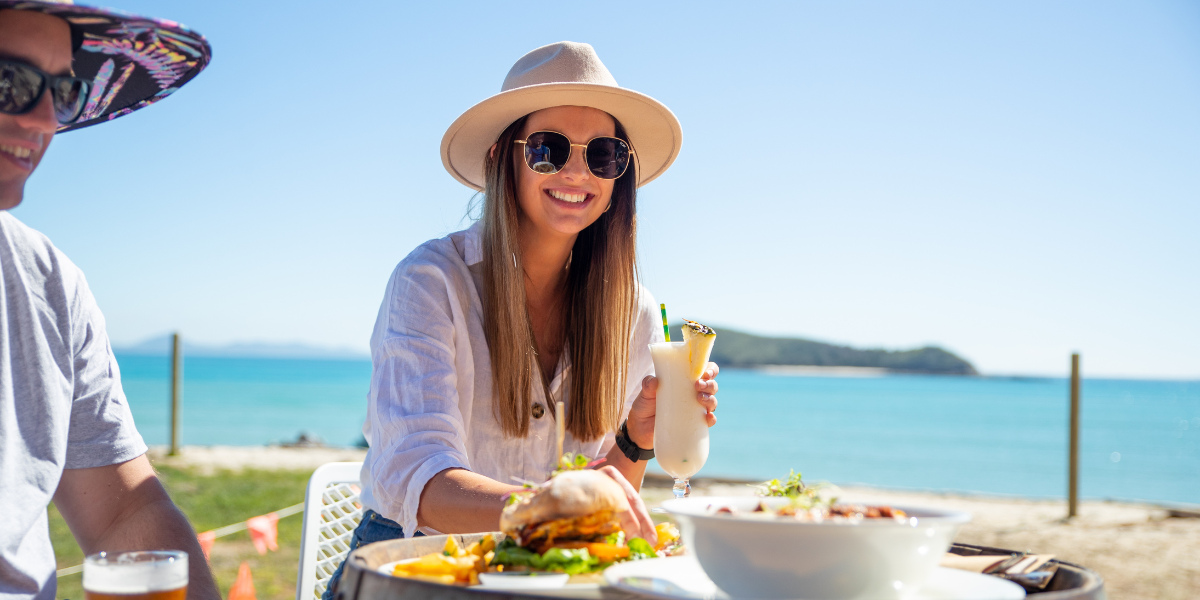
(264, 532)
(243, 586)
(206, 540)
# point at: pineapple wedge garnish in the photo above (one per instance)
(699, 340)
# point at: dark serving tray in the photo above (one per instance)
(363, 581)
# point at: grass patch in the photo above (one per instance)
(211, 501)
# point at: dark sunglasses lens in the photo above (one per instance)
(547, 152)
(19, 88)
(69, 98)
(607, 157)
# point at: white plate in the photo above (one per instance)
(681, 578)
(568, 590)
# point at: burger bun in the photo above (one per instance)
(568, 495)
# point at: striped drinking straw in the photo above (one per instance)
(666, 330)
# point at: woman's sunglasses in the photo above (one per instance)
(547, 152)
(22, 87)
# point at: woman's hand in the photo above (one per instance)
(706, 392)
(641, 414)
(636, 522)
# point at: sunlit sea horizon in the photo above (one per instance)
(1140, 439)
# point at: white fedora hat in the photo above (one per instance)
(562, 74)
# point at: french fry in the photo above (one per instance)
(443, 579)
(453, 565)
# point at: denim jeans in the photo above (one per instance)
(374, 527)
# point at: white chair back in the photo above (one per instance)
(331, 512)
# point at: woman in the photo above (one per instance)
(481, 332)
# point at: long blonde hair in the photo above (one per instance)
(601, 299)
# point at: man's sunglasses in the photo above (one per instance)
(547, 152)
(22, 87)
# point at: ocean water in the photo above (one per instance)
(1139, 439)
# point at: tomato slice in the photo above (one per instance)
(602, 551)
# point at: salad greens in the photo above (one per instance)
(802, 496)
(570, 561)
(639, 549)
(571, 461)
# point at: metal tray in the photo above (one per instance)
(363, 581)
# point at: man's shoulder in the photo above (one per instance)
(32, 249)
(16, 232)
(31, 261)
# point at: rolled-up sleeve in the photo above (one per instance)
(417, 428)
(646, 330)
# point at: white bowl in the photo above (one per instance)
(753, 557)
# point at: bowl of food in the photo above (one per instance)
(806, 546)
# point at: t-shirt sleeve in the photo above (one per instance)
(102, 431)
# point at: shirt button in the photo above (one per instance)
(538, 410)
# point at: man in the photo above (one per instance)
(66, 432)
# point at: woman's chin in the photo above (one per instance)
(570, 222)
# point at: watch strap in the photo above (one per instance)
(630, 449)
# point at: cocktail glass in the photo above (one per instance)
(680, 429)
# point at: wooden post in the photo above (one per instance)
(1073, 467)
(176, 388)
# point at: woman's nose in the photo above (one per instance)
(576, 168)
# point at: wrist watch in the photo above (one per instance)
(630, 449)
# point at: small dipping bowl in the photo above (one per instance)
(750, 555)
(523, 580)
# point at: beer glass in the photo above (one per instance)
(151, 575)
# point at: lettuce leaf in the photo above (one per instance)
(639, 549)
(572, 562)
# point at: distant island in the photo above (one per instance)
(733, 349)
(161, 346)
(744, 350)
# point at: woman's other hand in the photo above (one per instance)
(636, 522)
(641, 414)
(706, 392)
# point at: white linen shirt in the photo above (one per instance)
(430, 407)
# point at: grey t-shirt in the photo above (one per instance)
(61, 404)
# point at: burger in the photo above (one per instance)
(570, 524)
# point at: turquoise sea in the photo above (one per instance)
(1140, 439)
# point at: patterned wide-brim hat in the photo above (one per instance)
(132, 61)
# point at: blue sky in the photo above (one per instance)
(1010, 180)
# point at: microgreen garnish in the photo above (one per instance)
(571, 461)
(802, 496)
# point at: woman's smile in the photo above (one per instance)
(570, 198)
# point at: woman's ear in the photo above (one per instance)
(492, 151)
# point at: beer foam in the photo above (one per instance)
(135, 572)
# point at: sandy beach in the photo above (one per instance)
(1141, 551)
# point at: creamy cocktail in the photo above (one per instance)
(680, 429)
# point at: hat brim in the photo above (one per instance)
(132, 61)
(653, 130)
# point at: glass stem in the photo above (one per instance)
(682, 488)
